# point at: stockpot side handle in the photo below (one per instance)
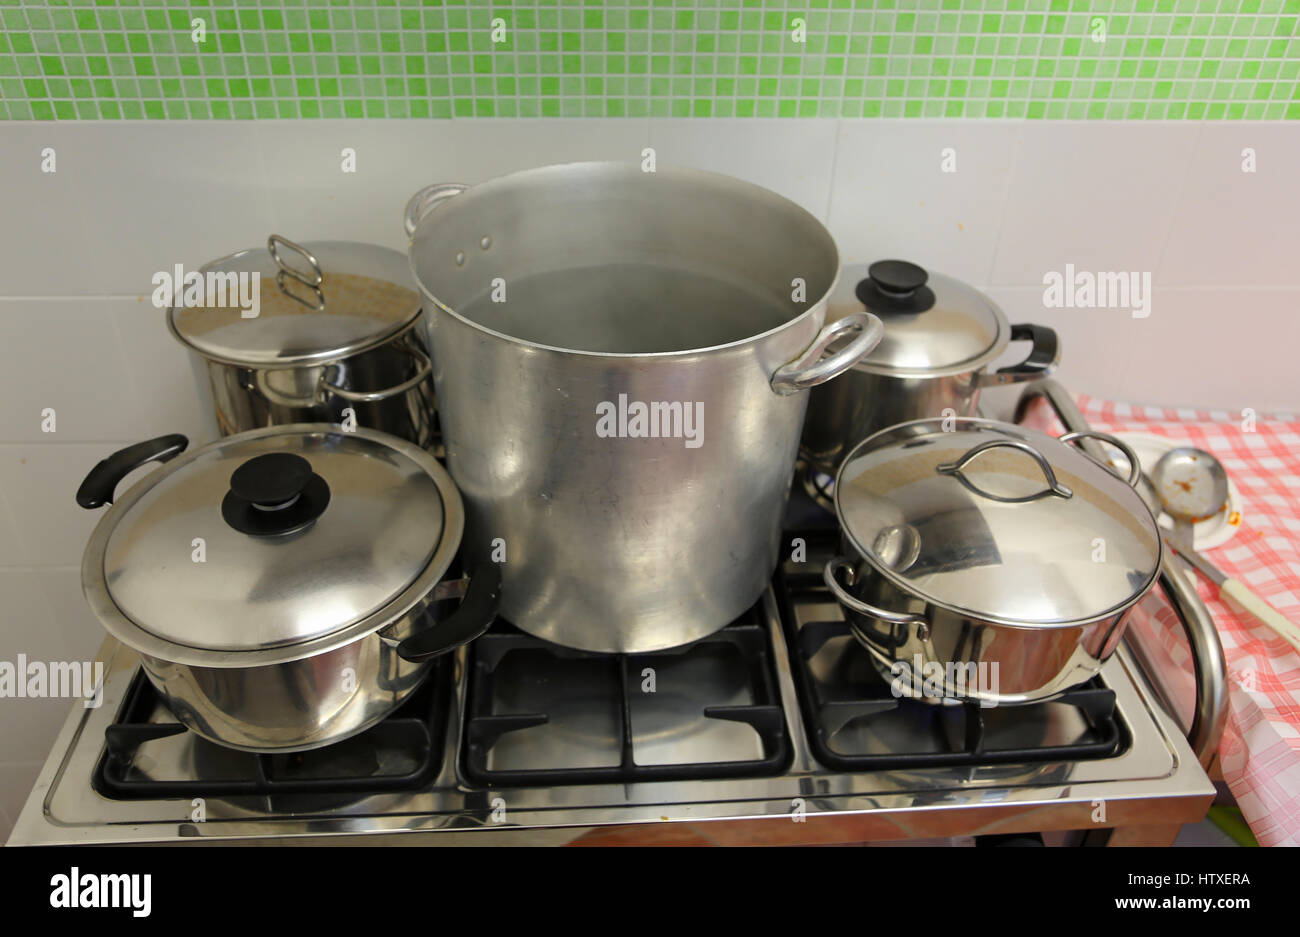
(99, 486)
(1044, 356)
(424, 367)
(1208, 662)
(474, 616)
(842, 595)
(811, 369)
(426, 200)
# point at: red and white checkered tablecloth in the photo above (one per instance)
(1260, 752)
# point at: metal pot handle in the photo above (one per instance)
(831, 575)
(1043, 358)
(1054, 487)
(312, 280)
(810, 369)
(474, 616)
(424, 369)
(426, 200)
(1134, 465)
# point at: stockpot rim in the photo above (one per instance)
(864, 556)
(95, 586)
(309, 359)
(615, 166)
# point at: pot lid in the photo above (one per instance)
(932, 322)
(277, 537)
(997, 521)
(319, 301)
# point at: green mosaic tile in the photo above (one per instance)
(1035, 59)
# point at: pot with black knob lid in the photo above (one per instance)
(284, 588)
(940, 336)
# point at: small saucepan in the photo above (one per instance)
(987, 561)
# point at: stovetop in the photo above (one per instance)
(778, 715)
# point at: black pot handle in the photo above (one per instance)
(475, 616)
(1043, 358)
(98, 487)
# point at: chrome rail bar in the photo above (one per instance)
(1211, 709)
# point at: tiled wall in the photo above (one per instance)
(1113, 59)
(78, 246)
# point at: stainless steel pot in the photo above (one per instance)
(940, 337)
(339, 337)
(988, 562)
(569, 306)
(283, 586)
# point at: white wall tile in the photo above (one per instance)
(1101, 196)
(46, 243)
(160, 377)
(792, 158)
(1234, 227)
(40, 482)
(65, 354)
(891, 197)
(166, 193)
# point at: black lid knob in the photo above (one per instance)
(273, 494)
(897, 277)
(271, 479)
(895, 286)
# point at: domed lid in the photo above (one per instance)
(314, 302)
(932, 322)
(275, 538)
(997, 521)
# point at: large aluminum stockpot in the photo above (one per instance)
(941, 335)
(620, 357)
(338, 337)
(283, 586)
(987, 561)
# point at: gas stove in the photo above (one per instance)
(776, 729)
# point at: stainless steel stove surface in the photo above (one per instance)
(521, 741)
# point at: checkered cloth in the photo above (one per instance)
(1260, 753)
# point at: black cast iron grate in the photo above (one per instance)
(411, 739)
(829, 707)
(485, 727)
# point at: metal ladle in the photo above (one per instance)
(1191, 485)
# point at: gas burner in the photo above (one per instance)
(856, 723)
(148, 756)
(537, 713)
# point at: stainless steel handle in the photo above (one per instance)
(1054, 487)
(426, 200)
(1134, 466)
(831, 575)
(312, 280)
(810, 369)
(423, 370)
(1208, 663)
